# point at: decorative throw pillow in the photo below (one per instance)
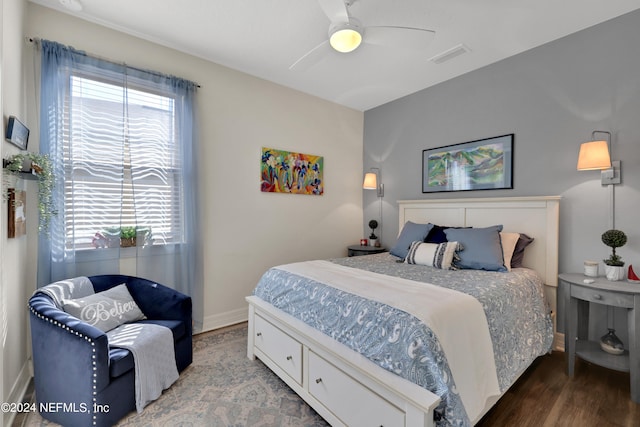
(482, 248)
(437, 235)
(438, 255)
(508, 241)
(105, 310)
(411, 232)
(518, 252)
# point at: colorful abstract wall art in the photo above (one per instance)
(287, 172)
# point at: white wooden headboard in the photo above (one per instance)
(537, 217)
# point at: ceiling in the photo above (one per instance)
(265, 37)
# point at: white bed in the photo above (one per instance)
(335, 380)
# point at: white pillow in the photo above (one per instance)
(105, 310)
(509, 241)
(438, 255)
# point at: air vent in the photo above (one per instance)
(449, 54)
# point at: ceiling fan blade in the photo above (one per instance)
(335, 10)
(399, 37)
(311, 58)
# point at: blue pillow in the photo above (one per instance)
(481, 247)
(411, 232)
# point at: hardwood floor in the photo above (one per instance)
(546, 397)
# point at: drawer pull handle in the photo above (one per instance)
(318, 380)
(597, 296)
(259, 334)
(289, 358)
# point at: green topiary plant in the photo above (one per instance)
(373, 224)
(614, 239)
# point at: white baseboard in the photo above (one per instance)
(17, 392)
(221, 320)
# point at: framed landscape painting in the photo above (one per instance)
(484, 164)
(288, 172)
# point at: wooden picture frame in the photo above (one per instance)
(484, 164)
(17, 220)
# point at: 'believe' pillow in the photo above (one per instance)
(438, 255)
(482, 248)
(105, 310)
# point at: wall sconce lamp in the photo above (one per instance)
(596, 155)
(372, 182)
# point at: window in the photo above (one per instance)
(122, 144)
(122, 163)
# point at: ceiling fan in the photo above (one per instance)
(346, 34)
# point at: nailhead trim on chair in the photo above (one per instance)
(93, 356)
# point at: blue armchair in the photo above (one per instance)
(78, 379)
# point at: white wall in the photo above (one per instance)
(245, 231)
(2, 241)
(14, 260)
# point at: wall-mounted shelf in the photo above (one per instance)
(26, 173)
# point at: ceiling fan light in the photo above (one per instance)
(345, 38)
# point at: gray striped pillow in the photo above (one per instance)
(438, 255)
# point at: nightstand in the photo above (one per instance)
(578, 295)
(357, 250)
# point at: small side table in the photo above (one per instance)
(358, 250)
(578, 295)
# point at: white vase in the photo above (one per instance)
(614, 273)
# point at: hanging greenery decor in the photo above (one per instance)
(43, 170)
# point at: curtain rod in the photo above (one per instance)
(33, 40)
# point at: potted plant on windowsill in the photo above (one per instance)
(124, 237)
(42, 168)
(614, 265)
(128, 237)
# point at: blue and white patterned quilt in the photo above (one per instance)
(517, 316)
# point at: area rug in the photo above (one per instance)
(222, 387)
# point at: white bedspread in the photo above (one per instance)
(457, 319)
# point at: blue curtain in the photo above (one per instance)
(176, 265)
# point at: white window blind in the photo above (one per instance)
(122, 164)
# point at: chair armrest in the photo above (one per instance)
(67, 352)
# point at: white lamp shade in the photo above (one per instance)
(370, 181)
(594, 155)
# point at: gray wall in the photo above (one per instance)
(552, 98)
